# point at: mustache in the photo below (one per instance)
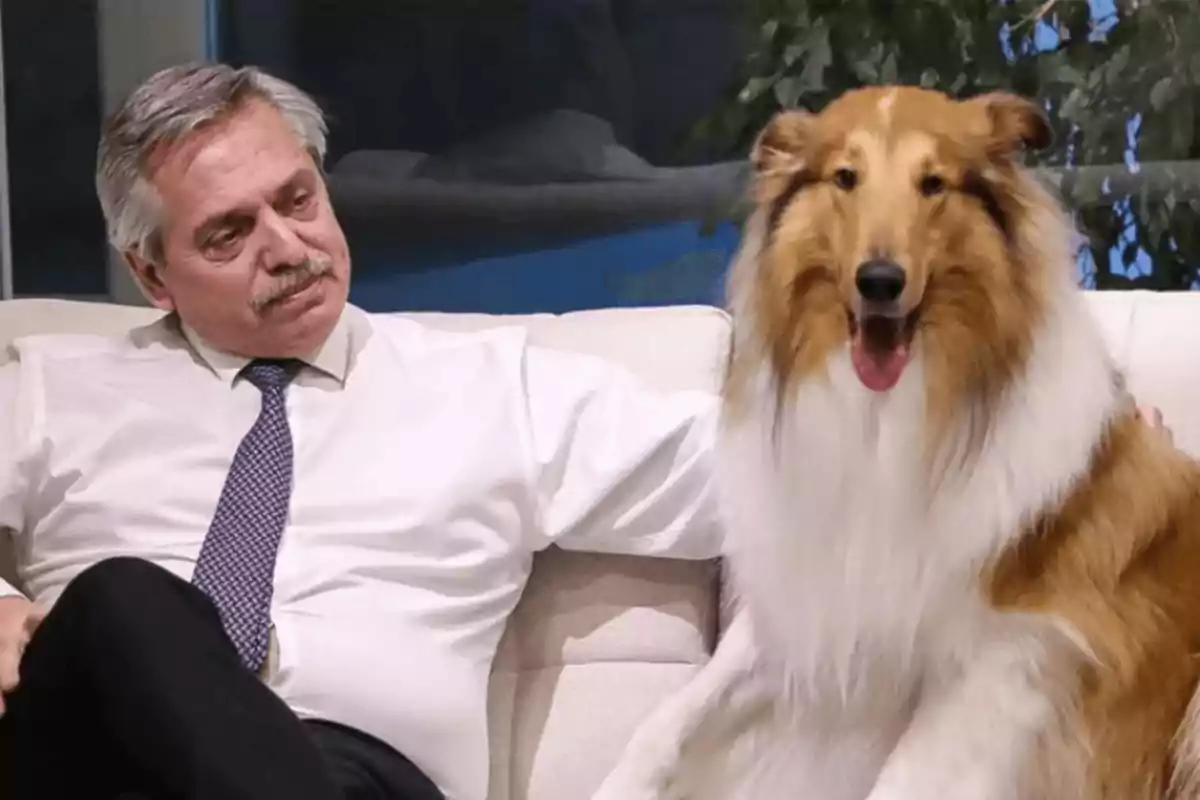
(292, 280)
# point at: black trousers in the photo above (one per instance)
(130, 689)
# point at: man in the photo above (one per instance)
(278, 539)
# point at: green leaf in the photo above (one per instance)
(793, 52)
(1117, 64)
(888, 72)
(788, 90)
(769, 29)
(1160, 93)
(820, 57)
(866, 72)
(1068, 74)
(1073, 107)
(754, 89)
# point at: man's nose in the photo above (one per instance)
(283, 247)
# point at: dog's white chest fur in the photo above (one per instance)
(864, 586)
(866, 662)
(857, 585)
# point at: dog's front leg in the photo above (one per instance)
(677, 738)
(976, 737)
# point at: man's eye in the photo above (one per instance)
(222, 239)
(302, 200)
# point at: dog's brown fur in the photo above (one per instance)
(962, 246)
(935, 184)
(1120, 561)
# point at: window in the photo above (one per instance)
(65, 62)
(52, 105)
(548, 155)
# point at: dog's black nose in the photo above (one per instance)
(879, 280)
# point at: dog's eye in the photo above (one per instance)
(932, 185)
(845, 179)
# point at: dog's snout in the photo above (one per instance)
(879, 280)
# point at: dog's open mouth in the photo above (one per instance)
(880, 347)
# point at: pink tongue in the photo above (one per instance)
(879, 372)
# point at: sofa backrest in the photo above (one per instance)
(1155, 339)
(1154, 336)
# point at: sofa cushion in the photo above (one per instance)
(594, 644)
(1160, 354)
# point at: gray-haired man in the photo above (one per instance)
(279, 538)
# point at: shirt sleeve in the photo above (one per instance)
(12, 479)
(620, 467)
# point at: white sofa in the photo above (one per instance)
(597, 641)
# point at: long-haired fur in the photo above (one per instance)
(983, 582)
(1036, 495)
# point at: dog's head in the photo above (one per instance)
(896, 222)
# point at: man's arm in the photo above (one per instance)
(620, 467)
(12, 448)
(18, 617)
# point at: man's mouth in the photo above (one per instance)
(303, 284)
(880, 346)
(293, 283)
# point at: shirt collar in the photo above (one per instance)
(332, 357)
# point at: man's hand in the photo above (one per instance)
(19, 618)
(1153, 417)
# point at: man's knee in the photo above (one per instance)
(119, 575)
(121, 587)
(114, 605)
(126, 604)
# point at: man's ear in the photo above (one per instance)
(783, 142)
(147, 275)
(1013, 122)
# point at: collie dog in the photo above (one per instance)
(963, 567)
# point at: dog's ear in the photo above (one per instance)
(1013, 122)
(783, 142)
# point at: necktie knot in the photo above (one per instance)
(274, 374)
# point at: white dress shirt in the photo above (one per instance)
(429, 467)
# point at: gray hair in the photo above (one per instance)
(163, 110)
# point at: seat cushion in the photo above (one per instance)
(596, 642)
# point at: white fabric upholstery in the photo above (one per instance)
(597, 641)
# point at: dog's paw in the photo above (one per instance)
(621, 793)
(618, 787)
(636, 779)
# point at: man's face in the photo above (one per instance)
(253, 257)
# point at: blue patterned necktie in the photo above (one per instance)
(236, 566)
